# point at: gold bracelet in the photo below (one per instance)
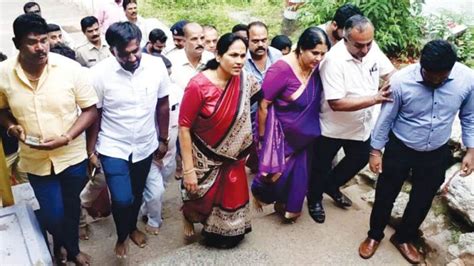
(375, 154)
(189, 171)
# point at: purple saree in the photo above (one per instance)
(291, 126)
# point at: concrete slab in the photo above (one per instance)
(21, 241)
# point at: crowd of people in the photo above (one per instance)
(138, 104)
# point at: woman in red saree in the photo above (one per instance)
(215, 135)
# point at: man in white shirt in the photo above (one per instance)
(350, 75)
(189, 61)
(133, 92)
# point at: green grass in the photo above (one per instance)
(215, 12)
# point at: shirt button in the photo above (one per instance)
(434, 116)
(429, 142)
(436, 102)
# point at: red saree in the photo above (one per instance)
(221, 138)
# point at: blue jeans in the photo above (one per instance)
(60, 205)
(126, 181)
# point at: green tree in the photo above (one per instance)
(398, 24)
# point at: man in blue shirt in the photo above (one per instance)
(414, 130)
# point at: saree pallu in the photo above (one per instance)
(220, 144)
(291, 126)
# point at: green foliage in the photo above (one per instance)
(223, 14)
(436, 28)
(398, 25)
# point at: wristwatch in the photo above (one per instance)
(163, 140)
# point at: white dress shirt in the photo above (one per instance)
(182, 71)
(344, 76)
(128, 103)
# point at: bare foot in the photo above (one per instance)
(139, 238)
(152, 229)
(84, 232)
(188, 228)
(121, 249)
(257, 205)
(82, 259)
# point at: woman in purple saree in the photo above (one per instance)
(288, 124)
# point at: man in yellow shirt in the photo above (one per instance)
(39, 96)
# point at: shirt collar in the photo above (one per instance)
(119, 69)
(419, 77)
(185, 61)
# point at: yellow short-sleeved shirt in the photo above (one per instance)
(50, 110)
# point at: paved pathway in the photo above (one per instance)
(271, 242)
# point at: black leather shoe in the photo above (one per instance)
(316, 211)
(341, 200)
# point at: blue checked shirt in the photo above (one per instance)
(422, 117)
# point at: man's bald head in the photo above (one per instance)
(194, 35)
(191, 28)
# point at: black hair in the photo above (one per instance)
(239, 27)
(120, 34)
(438, 55)
(344, 12)
(63, 50)
(3, 57)
(29, 5)
(225, 41)
(281, 42)
(157, 35)
(26, 24)
(311, 37)
(53, 27)
(256, 23)
(125, 3)
(88, 22)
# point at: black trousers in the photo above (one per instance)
(428, 173)
(325, 179)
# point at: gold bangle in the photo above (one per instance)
(189, 171)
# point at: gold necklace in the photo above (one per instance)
(304, 74)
